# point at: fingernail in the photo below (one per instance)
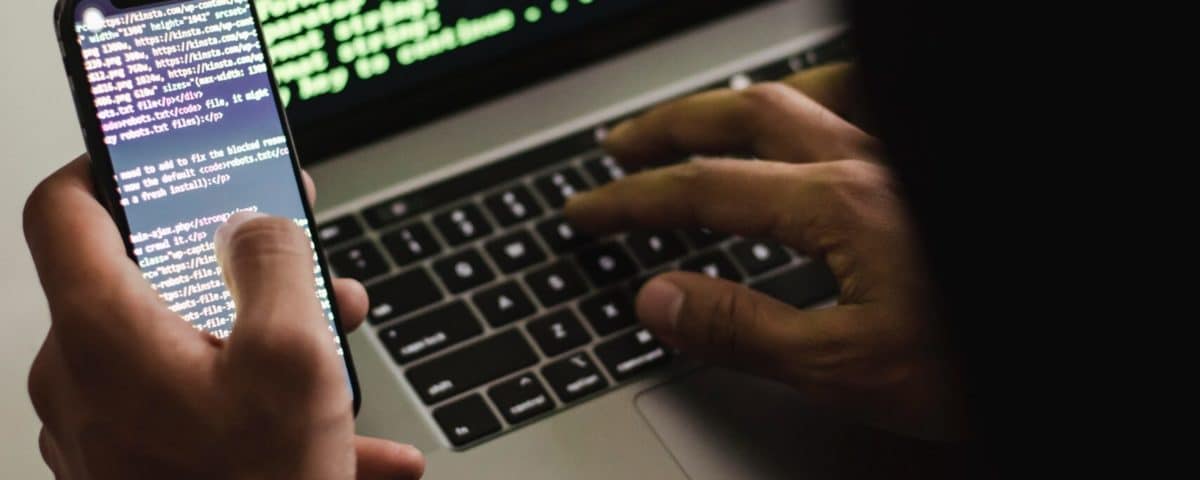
(231, 225)
(659, 305)
(617, 134)
(574, 201)
(410, 451)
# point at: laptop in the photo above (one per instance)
(446, 136)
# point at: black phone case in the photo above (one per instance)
(102, 169)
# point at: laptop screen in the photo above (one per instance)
(351, 71)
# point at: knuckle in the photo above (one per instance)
(733, 314)
(689, 176)
(849, 190)
(296, 349)
(39, 384)
(767, 96)
(37, 206)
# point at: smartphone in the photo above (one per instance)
(185, 127)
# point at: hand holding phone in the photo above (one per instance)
(218, 352)
(126, 390)
(185, 128)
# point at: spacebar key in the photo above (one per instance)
(457, 372)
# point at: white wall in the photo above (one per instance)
(38, 133)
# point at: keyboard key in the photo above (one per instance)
(411, 244)
(466, 420)
(430, 332)
(833, 50)
(606, 264)
(504, 304)
(771, 72)
(361, 261)
(557, 187)
(558, 332)
(703, 237)
(604, 169)
(654, 249)
(560, 236)
(402, 294)
(515, 252)
(609, 312)
(574, 377)
(339, 230)
(631, 354)
(556, 284)
(462, 225)
(636, 285)
(463, 271)
(715, 264)
(436, 196)
(456, 372)
(513, 206)
(521, 398)
(801, 286)
(759, 256)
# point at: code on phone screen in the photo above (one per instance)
(184, 104)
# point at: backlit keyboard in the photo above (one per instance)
(498, 311)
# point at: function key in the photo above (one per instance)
(513, 206)
(561, 236)
(556, 284)
(461, 370)
(604, 169)
(515, 252)
(463, 271)
(402, 294)
(801, 286)
(606, 264)
(339, 230)
(715, 264)
(630, 354)
(557, 187)
(466, 420)
(558, 332)
(608, 312)
(759, 256)
(411, 244)
(521, 398)
(504, 304)
(574, 377)
(361, 261)
(653, 249)
(430, 332)
(703, 237)
(389, 212)
(462, 225)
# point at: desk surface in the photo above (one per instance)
(38, 133)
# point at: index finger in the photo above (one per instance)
(777, 121)
(90, 282)
(75, 244)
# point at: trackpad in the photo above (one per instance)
(720, 424)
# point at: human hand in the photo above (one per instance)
(825, 192)
(126, 389)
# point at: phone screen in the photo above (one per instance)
(185, 104)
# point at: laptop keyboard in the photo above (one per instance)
(499, 312)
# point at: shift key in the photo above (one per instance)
(459, 371)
